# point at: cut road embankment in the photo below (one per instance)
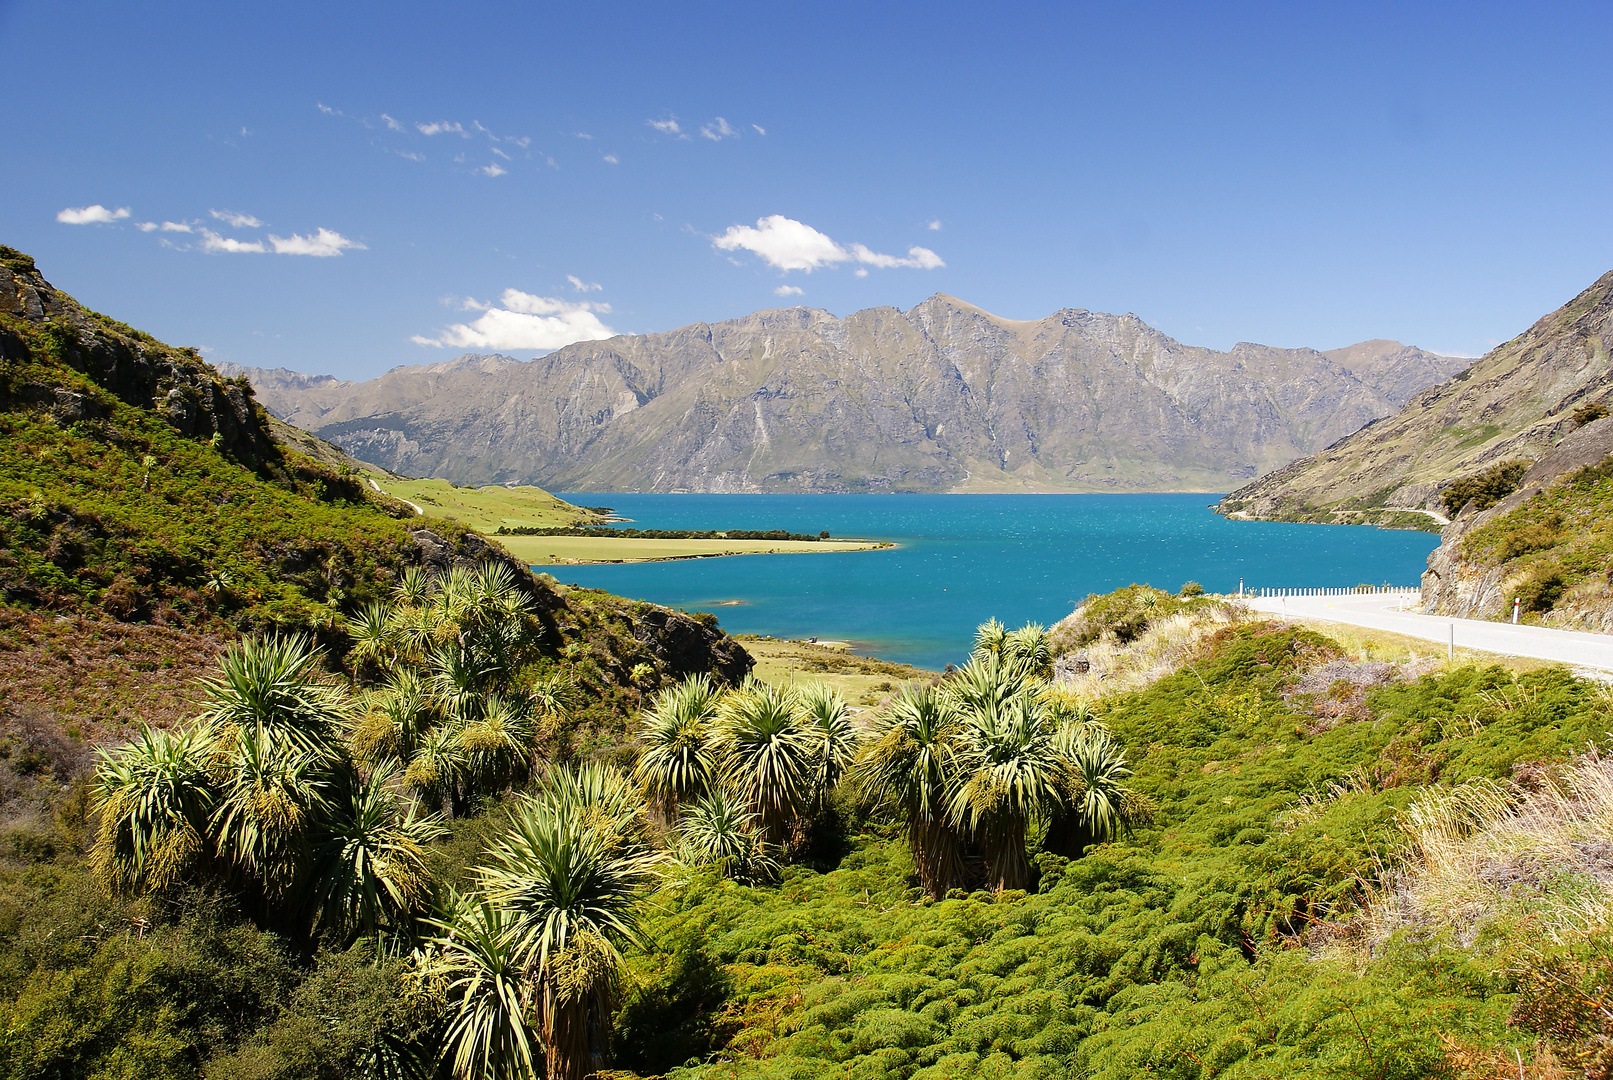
(1381, 612)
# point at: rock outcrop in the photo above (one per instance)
(141, 371)
(943, 397)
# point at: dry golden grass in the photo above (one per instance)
(1485, 852)
(1119, 667)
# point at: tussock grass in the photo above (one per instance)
(1116, 667)
(1485, 852)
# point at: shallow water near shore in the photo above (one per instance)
(962, 559)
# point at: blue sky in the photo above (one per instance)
(348, 187)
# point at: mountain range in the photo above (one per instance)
(942, 397)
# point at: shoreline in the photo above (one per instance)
(610, 551)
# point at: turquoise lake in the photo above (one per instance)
(963, 558)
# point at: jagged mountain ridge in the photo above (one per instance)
(943, 397)
(1514, 402)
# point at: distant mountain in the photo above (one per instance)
(1515, 402)
(943, 397)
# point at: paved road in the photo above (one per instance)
(1382, 613)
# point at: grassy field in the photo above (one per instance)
(485, 509)
(863, 680)
(561, 550)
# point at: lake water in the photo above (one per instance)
(964, 558)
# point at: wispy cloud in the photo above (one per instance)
(443, 127)
(580, 285)
(95, 214)
(613, 159)
(167, 226)
(235, 220)
(323, 243)
(215, 244)
(792, 245)
(787, 290)
(583, 135)
(525, 322)
(760, 130)
(668, 126)
(492, 169)
(391, 124)
(934, 225)
(718, 130)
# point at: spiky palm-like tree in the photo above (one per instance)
(1011, 773)
(990, 636)
(572, 898)
(910, 764)
(398, 714)
(766, 754)
(271, 797)
(678, 759)
(833, 735)
(1032, 646)
(456, 679)
(374, 636)
(436, 772)
(603, 801)
(273, 686)
(497, 746)
(718, 831)
(477, 963)
(370, 859)
(414, 587)
(1097, 804)
(154, 799)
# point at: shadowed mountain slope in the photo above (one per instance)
(943, 397)
(1516, 402)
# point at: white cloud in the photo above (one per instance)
(146, 226)
(785, 243)
(584, 135)
(791, 245)
(235, 220)
(167, 226)
(492, 169)
(613, 159)
(326, 109)
(583, 286)
(391, 124)
(718, 130)
(410, 154)
(442, 127)
(918, 258)
(500, 153)
(669, 126)
(934, 225)
(526, 322)
(860, 272)
(523, 142)
(760, 130)
(787, 290)
(322, 244)
(226, 245)
(91, 215)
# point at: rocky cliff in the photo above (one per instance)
(943, 397)
(1516, 402)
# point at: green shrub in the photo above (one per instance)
(1486, 489)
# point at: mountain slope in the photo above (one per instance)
(1515, 402)
(944, 397)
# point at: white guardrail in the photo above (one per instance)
(1352, 590)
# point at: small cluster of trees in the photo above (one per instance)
(979, 762)
(742, 773)
(450, 699)
(263, 796)
(316, 805)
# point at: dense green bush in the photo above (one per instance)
(1486, 489)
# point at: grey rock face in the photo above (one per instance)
(944, 397)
